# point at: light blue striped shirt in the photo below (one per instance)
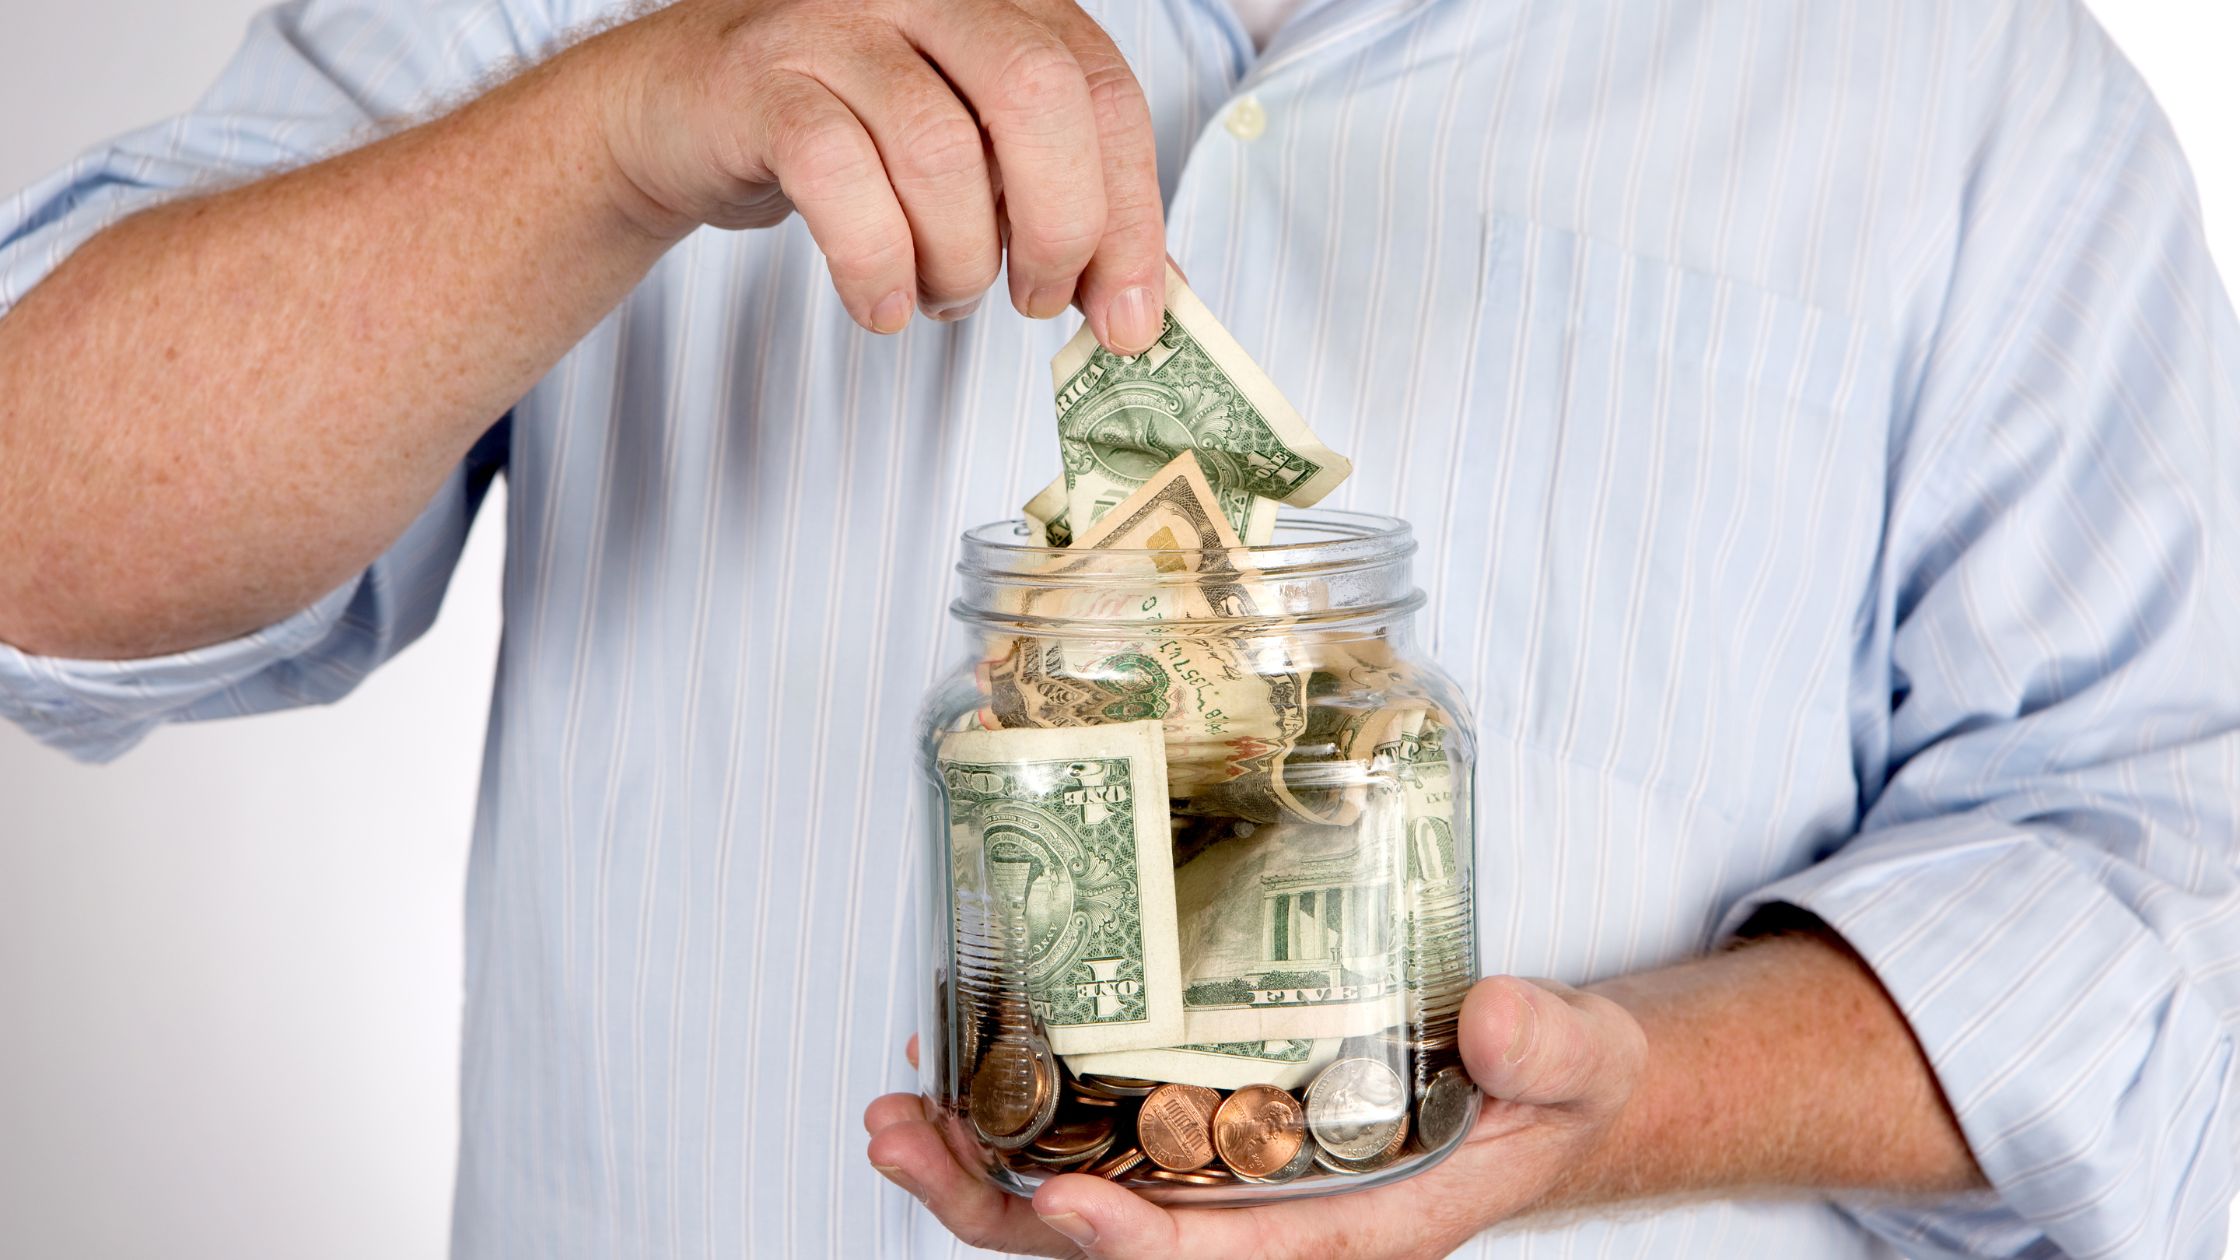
(1819, 419)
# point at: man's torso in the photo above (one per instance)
(1606, 299)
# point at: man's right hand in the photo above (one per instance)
(334, 337)
(921, 141)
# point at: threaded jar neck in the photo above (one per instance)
(1323, 570)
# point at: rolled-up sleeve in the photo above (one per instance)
(97, 710)
(311, 79)
(2048, 700)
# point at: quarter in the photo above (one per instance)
(1355, 1108)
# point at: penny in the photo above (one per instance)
(1014, 1093)
(1073, 1138)
(1115, 1086)
(1444, 1109)
(1259, 1130)
(1355, 1107)
(1175, 1127)
(1117, 1164)
(1292, 1171)
(1191, 1177)
(1067, 1163)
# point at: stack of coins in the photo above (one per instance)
(1357, 1116)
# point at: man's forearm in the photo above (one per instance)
(223, 407)
(1780, 1065)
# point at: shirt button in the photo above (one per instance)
(1246, 119)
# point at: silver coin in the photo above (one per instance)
(1356, 1107)
(1292, 1171)
(1445, 1108)
(1356, 1167)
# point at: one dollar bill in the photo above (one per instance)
(1120, 420)
(1229, 705)
(1064, 870)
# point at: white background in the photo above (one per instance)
(229, 965)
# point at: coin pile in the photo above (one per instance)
(1357, 1116)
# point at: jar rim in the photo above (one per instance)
(1327, 536)
(1356, 564)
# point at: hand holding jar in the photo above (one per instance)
(1558, 1065)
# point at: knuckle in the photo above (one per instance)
(954, 279)
(872, 260)
(1069, 234)
(941, 144)
(1133, 221)
(1564, 1076)
(1040, 78)
(820, 157)
(1116, 96)
(1629, 1048)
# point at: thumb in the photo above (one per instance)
(1548, 1044)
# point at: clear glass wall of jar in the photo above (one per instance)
(1198, 908)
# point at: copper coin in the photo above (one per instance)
(1175, 1127)
(1192, 1177)
(1443, 1110)
(1258, 1130)
(1117, 1164)
(1297, 1168)
(1014, 1093)
(1355, 1107)
(1116, 1086)
(1073, 1137)
(1066, 1163)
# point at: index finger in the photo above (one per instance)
(913, 1154)
(1123, 289)
(1033, 100)
(1111, 1223)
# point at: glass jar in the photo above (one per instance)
(1199, 912)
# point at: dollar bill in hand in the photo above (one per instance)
(1121, 420)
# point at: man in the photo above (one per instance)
(1815, 416)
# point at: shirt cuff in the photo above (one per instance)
(97, 710)
(2084, 1067)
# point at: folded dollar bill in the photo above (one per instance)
(1284, 1063)
(1121, 420)
(1228, 703)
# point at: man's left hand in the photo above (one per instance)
(1557, 1065)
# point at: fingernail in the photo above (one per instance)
(952, 313)
(1132, 321)
(892, 312)
(1520, 1037)
(1073, 1226)
(1049, 300)
(902, 1179)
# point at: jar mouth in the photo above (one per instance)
(1322, 568)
